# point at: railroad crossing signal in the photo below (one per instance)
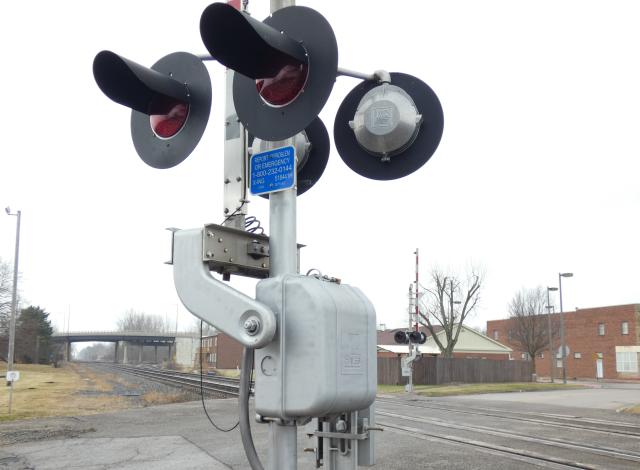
(406, 337)
(386, 128)
(286, 65)
(170, 102)
(389, 130)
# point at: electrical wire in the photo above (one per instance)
(252, 225)
(234, 213)
(243, 402)
(319, 275)
(322, 277)
(202, 393)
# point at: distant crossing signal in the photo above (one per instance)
(406, 337)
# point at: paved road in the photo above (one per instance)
(420, 433)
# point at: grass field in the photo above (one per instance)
(633, 410)
(472, 389)
(47, 391)
(75, 390)
(231, 373)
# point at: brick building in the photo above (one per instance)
(220, 351)
(602, 342)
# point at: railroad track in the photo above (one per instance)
(525, 456)
(530, 447)
(625, 458)
(525, 447)
(211, 385)
(545, 419)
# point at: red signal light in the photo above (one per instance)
(168, 117)
(285, 86)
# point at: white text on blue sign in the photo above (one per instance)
(272, 171)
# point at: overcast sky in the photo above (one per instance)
(537, 171)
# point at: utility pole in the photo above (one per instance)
(413, 335)
(417, 298)
(409, 362)
(416, 317)
(562, 332)
(14, 295)
(551, 353)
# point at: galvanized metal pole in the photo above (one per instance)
(413, 324)
(411, 299)
(283, 450)
(562, 346)
(277, 4)
(354, 74)
(14, 296)
(235, 156)
(283, 260)
(550, 336)
(417, 308)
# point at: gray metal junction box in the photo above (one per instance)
(324, 362)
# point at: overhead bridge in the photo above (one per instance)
(128, 343)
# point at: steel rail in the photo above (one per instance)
(224, 385)
(580, 419)
(597, 426)
(619, 454)
(183, 382)
(518, 454)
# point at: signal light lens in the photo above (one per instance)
(168, 117)
(285, 86)
(401, 337)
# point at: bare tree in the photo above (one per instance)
(531, 325)
(6, 286)
(447, 302)
(97, 352)
(6, 293)
(201, 326)
(133, 320)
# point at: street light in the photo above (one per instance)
(562, 345)
(549, 307)
(14, 295)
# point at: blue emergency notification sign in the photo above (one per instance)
(273, 170)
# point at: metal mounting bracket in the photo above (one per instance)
(341, 435)
(229, 250)
(246, 320)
